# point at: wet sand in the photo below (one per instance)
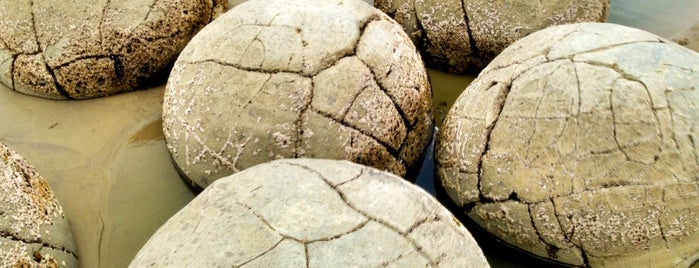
(107, 163)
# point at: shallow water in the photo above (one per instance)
(107, 162)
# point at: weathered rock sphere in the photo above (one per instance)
(458, 35)
(578, 144)
(83, 49)
(289, 79)
(312, 213)
(33, 230)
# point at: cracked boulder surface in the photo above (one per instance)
(465, 35)
(85, 49)
(297, 79)
(312, 213)
(33, 229)
(578, 144)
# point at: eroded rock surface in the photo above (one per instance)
(578, 144)
(312, 213)
(84, 49)
(461, 35)
(317, 79)
(33, 230)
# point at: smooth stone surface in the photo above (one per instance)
(577, 144)
(34, 231)
(83, 49)
(315, 79)
(107, 163)
(313, 213)
(461, 35)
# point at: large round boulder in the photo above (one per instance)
(579, 143)
(289, 79)
(83, 49)
(461, 35)
(33, 230)
(312, 213)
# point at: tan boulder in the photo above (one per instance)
(312, 213)
(85, 49)
(577, 144)
(462, 35)
(316, 79)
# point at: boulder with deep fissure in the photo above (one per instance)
(462, 35)
(312, 213)
(34, 231)
(85, 49)
(577, 144)
(289, 79)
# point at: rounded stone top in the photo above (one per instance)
(312, 213)
(83, 49)
(33, 230)
(578, 144)
(289, 79)
(462, 35)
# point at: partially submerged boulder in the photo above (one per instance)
(85, 49)
(578, 144)
(312, 213)
(316, 79)
(33, 230)
(458, 35)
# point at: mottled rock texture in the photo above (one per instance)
(462, 35)
(289, 79)
(33, 230)
(579, 143)
(312, 213)
(82, 49)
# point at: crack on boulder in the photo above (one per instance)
(475, 52)
(614, 128)
(308, 258)
(99, 27)
(58, 86)
(247, 69)
(340, 235)
(551, 250)
(401, 113)
(13, 237)
(501, 98)
(349, 204)
(585, 257)
(427, 219)
(34, 30)
(12, 73)
(258, 216)
(299, 151)
(424, 39)
(386, 146)
(599, 49)
(261, 254)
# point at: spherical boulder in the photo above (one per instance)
(83, 49)
(462, 35)
(33, 230)
(578, 144)
(312, 213)
(289, 79)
